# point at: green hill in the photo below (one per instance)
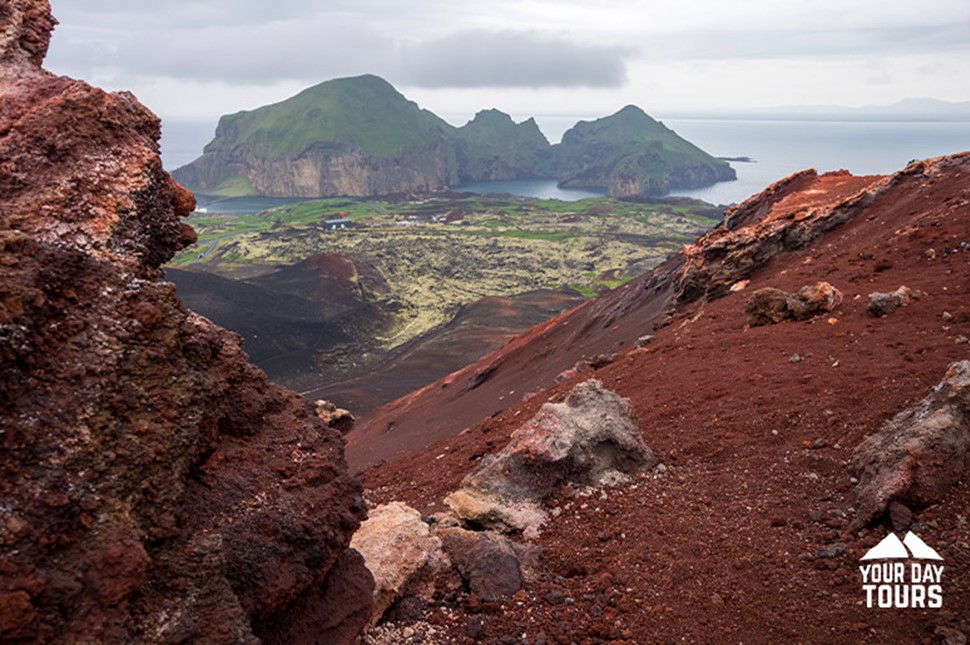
(494, 147)
(366, 111)
(351, 136)
(629, 153)
(361, 137)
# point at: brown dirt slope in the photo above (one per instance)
(477, 329)
(154, 488)
(746, 537)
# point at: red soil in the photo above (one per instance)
(725, 547)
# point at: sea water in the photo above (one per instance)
(777, 149)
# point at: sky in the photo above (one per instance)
(198, 59)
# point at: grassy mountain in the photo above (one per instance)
(494, 147)
(349, 136)
(365, 111)
(361, 137)
(629, 153)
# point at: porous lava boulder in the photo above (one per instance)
(155, 488)
(769, 306)
(401, 553)
(918, 455)
(487, 561)
(884, 303)
(590, 440)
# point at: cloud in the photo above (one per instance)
(192, 52)
(182, 13)
(312, 52)
(245, 54)
(511, 59)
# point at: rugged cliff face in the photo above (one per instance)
(155, 488)
(322, 169)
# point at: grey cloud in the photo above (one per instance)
(255, 42)
(182, 13)
(239, 54)
(511, 59)
(313, 51)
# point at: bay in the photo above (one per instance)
(540, 188)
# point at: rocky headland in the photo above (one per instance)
(154, 487)
(360, 137)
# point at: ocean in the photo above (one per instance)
(777, 149)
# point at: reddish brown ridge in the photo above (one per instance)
(746, 537)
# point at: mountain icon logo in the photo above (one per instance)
(902, 574)
(911, 546)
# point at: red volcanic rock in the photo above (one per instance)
(25, 32)
(788, 216)
(769, 306)
(155, 488)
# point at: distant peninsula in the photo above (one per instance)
(361, 137)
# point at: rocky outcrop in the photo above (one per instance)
(337, 418)
(788, 216)
(155, 487)
(401, 553)
(769, 306)
(589, 440)
(920, 454)
(785, 217)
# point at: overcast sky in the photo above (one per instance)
(203, 58)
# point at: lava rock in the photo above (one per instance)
(401, 553)
(592, 439)
(900, 516)
(486, 560)
(883, 304)
(918, 455)
(769, 306)
(337, 418)
(156, 488)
